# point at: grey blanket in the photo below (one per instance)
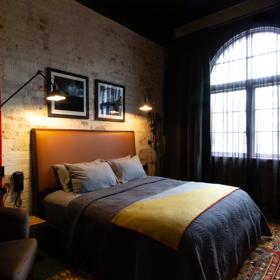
(213, 246)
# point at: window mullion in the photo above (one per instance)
(249, 100)
(250, 124)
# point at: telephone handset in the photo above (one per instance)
(17, 178)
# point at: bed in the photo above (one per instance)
(212, 246)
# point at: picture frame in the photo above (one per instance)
(109, 102)
(75, 87)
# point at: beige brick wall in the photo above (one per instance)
(35, 34)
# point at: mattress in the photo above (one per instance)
(55, 207)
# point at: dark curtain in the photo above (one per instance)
(187, 117)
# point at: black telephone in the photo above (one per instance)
(17, 178)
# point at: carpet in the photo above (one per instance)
(263, 263)
(71, 274)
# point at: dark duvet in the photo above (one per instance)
(213, 246)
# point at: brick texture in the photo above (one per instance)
(35, 34)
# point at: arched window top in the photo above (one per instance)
(245, 96)
(252, 54)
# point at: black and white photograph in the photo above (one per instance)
(75, 88)
(109, 101)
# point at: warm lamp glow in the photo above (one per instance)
(55, 96)
(146, 108)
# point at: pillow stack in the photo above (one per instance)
(89, 176)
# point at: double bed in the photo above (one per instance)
(99, 230)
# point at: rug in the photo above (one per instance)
(263, 263)
(71, 274)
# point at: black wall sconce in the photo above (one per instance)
(54, 95)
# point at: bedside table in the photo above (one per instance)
(34, 220)
(36, 226)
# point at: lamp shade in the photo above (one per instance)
(146, 106)
(55, 95)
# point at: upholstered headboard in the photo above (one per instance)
(53, 146)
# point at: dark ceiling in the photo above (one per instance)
(156, 19)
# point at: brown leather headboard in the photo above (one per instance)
(53, 146)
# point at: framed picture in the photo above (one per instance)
(109, 101)
(75, 88)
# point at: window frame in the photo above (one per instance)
(249, 86)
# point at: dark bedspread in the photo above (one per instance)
(212, 247)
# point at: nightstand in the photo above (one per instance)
(34, 220)
(36, 226)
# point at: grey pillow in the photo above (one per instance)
(129, 169)
(114, 167)
(91, 176)
(63, 177)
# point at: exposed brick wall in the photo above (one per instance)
(35, 34)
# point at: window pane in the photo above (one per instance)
(217, 122)
(236, 100)
(228, 101)
(266, 97)
(217, 102)
(228, 144)
(236, 122)
(236, 51)
(228, 122)
(263, 42)
(266, 144)
(239, 143)
(218, 143)
(263, 65)
(229, 72)
(266, 120)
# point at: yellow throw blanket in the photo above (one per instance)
(166, 218)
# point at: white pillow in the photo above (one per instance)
(129, 169)
(89, 177)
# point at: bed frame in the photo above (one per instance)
(54, 146)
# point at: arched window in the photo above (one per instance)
(245, 101)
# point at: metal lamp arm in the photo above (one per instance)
(18, 90)
(39, 72)
(51, 83)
